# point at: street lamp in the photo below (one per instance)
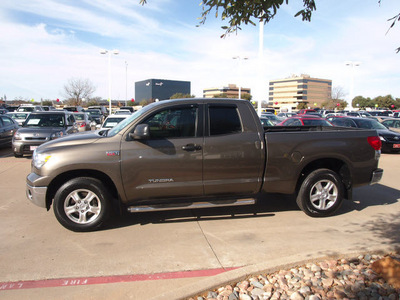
(240, 72)
(352, 64)
(109, 52)
(126, 83)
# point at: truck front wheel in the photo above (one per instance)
(321, 193)
(82, 204)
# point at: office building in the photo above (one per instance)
(230, 91)
(161, 89)
(286, 94)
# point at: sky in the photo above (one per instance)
(46, 43)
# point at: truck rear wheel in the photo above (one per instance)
(321, 193)
(82, 204)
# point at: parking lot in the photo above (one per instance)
(35, 247)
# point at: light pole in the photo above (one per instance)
(126, 83)
(240, 72)
(109, 52)
(352, 64)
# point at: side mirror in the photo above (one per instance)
(142, 132)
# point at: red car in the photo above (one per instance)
(306, 111)
(304, 120)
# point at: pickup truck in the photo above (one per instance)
(196, 153)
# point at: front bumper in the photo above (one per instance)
(376, 176)
(37, 195)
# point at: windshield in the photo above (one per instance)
(79, 117)
(44, 120)
(369, 124)
(19, 116)
(121, 125)
(94, 112)
(311, 122)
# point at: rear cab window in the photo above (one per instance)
(224, 120)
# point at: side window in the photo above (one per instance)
(295, 123)
(7, 121)
(224, 120)
(173, 123)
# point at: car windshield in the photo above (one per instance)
(111, 122)
(18, 116)
(94, 112)
(369, 124)
(79, 117)
(44, 120)
(315, 122)
(121, 125)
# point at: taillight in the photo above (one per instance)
(375, 142)
(83, 124)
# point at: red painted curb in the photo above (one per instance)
(32, 284)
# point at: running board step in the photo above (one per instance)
(191, 205)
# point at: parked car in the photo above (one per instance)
(130, 108)
(216, 154)
(7, 129)
(29, 108)
(73, 108)
(392, 124)
(3, 111)
(96, 115)
(273, 118)
(285, 115)
(113, 120)
(47, 108)
(83, 120)
(380, 113)
(306, 111)
(123, 112)
(266, 122)
(19, 117)
(304, 120)
(390, 139)
(41, 127)
(102, 109)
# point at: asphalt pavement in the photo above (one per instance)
(169, 254)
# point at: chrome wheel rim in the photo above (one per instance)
(323, 194)
(82, 206)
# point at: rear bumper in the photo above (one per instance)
(376, 176)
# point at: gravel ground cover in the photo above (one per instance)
(331, 279)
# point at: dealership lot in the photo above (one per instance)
(35, 247)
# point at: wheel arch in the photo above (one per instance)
(60, 179)
(336, 165)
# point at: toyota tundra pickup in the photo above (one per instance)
(196, 153)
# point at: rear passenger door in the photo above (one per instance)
(232, 155)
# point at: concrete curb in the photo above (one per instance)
(240, 274)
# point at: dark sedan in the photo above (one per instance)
(7, 129)
(390, 139)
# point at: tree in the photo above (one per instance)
(181, 96)
(302, 105)
(76, 89)
(239, 12)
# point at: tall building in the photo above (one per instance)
(230, 91)
(161, 89)
(286, 94)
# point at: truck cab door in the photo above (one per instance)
(169, 162)
(233, 153)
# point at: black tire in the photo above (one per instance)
(321, 193)
(82, 204)
(18, 155)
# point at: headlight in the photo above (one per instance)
(39, 159)
(382, 138)
(17, 136)
(56, 135)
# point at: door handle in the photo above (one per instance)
(191, 147)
